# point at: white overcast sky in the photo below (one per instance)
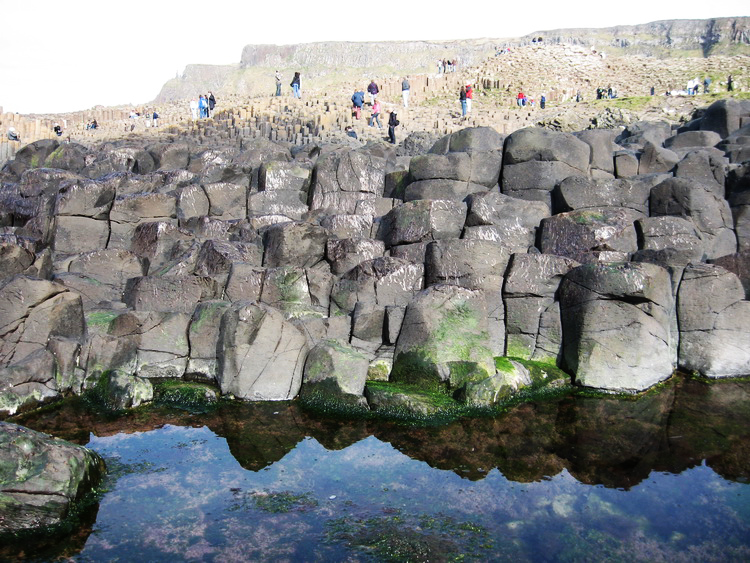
(58, 56)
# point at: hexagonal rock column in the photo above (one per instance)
(444, 338)
(616, 325)
(260, 355)
(712, 317)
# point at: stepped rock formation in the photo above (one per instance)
(137, 261)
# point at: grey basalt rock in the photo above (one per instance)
(169, 293)
(714, 336)
(170, 156)
(203, 337)
(261, 355)
(28, 383)
(384, 281)
(154, 344)
(656, 159)
(508, 220)
(344, 254)
(443, 189)
(616, 321)
(31, 312)
(603, 147)
(689, 139)
(422, 221)
(294, 244)
(342, 178)
(42, 478)
(335, 367)
(444, 339)
(578, 192)
(581, 234)
(709, 212)
(533, 325)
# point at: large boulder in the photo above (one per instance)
(203, 337)
(722, 117)
(444, 339)
(261, 355)
(42, 478)
(712, 316)
(616, 322)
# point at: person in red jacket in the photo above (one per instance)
(469, 96)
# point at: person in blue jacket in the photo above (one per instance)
(358, 100)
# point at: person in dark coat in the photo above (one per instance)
(211, 104)
(393, 122)
(296, 85)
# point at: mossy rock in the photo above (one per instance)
(411, 403)
(325, 397)
(195, 397)
(116, 391)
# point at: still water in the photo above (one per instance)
(663, 478)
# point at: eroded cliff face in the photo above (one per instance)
(718, 36)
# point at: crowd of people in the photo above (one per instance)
(201, 108)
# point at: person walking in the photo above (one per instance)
(469, 97)
(278, 83)
(296, 86)
(358, 100)
(202, 106)
(405, 89)
(373, 90)
(211, 104)
(542, 101)
(393, 122)
(462, 99)
(375, 114)
(730, 83)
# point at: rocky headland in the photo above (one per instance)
(261, 255)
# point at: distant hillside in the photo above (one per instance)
(668, 38)
(327, 64)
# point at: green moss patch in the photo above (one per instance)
(194, 397)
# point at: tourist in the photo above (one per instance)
(13, 135)
(372, 90)
(296, 86)
(194, 109)
(278, 83)
(730, 83)
(579, 96)
(405, 88)
(155, 119)
(393, 122)
(350, 132)
(376, 114)
(469, 97)
(94, 124)
(706, 84)
(440, 67)
(519, 99)
(211, 104)
(542, 101)
(358, 100)
(202, 106)
(57, 129)
(462, 100)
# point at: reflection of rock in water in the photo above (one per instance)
(616, 442)
(67, 543)
(712, 421)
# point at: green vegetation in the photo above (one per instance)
(193, 397)
(397, 536)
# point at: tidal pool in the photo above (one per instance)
(661, 478)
